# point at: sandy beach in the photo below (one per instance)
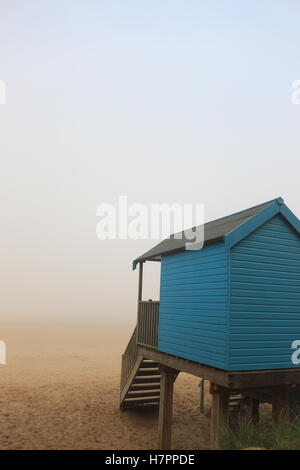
(60, 389)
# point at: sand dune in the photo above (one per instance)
(60, 388)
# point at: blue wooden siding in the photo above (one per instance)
(193, 314)
(265, 297)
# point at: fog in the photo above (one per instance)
(161, 101)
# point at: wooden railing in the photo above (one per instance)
(147, 323)
(145, 333)
(129, 357)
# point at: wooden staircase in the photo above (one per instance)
(140, 378)
(144, 389)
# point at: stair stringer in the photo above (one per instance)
(130, 379)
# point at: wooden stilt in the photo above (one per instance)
(219, 413)
(254, 407)
(202, 393)
(294, 407)
(252, 410)
(280, 407)
(168, 377)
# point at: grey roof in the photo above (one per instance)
(213, 231)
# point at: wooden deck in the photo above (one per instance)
(148, 376)
(244, 380)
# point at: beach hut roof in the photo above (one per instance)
(230, 228)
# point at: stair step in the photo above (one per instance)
(145, 386)
(143, 379)
(149, 378)
(143, 393)
(152, 371)
(235, 400)
(151, 404)
(141, 400)
(235, 396)
(149, 364)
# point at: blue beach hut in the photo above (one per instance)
(228, 308)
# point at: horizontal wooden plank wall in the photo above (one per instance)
(193, 313)
(265, 297)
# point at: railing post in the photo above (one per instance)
(140, 295)
(140, 291)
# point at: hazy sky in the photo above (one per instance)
(163, 101)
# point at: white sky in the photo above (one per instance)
(162, 101)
